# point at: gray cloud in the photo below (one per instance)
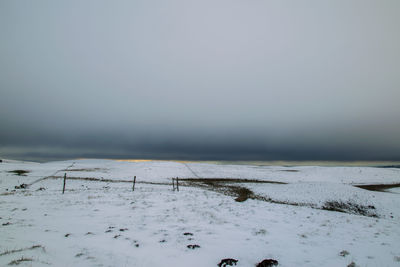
(200, 79)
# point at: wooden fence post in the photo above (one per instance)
(177, 184)
(173, 184)
(65, 178)
(134, 182)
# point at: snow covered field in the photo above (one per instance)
(99, 221)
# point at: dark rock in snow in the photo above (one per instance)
(21, 186)
(226, 262)
(344, 253)
(268, 263)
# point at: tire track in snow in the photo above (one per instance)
(190, 169)
(49, 176)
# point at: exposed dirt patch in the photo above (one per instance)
(228, 180)
(20, 172)
(350, 207)
(222, 185)
(241, 194)
(377, 187)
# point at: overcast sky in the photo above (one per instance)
(209, 79)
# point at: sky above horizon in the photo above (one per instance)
(200, 80)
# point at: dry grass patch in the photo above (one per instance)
(21, 249)
(17, 262)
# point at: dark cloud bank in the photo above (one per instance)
(200, 80)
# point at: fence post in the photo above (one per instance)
(173, 184)
(134, 182)
(65, 178)
(177, 184)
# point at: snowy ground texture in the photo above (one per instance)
(315, 216)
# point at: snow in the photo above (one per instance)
(104, 223)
